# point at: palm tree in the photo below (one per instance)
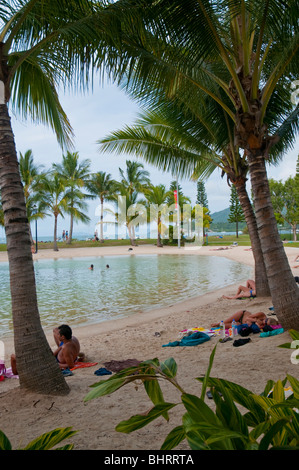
(190, 146)
(29, 176)
(1, 213)
(242, 55)
(157, 197)
(42, 44)
(134, 178)
(101, 185)
(130, 211)
(75, 175)
(55, 198)
(29, 172)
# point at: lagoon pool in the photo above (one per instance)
(69, 292)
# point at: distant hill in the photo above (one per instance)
(220, 216)
(220, 223)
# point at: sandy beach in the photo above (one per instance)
(24, 416)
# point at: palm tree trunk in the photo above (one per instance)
(102, 218)
(261, 280)
(159, 242)
(69, 241)
(283, 288)
(37, 368)
(55, 233)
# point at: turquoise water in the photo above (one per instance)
(69, 292)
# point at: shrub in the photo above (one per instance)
(271, 420)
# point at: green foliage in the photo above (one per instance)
(295, 336)
(44, 442)
(236, 212)
(285, 201)
(271, 420)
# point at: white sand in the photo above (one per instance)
(24, 416)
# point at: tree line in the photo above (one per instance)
(65, 188)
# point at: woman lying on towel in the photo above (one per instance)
(243, 316)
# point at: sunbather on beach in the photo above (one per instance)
(221, 248)
(244, 316)
(244, 291)
(68, 350)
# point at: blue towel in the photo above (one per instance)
(278, 331)
(193, 340)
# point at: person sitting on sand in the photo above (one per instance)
(244, 291)
(243, 316)
(67, 353)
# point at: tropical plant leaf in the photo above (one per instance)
(50, 439)
(207, 375)
(199, 410)
(278, 392)
(173, 439)
(4, 442)
(271, 434)
(294, 334)
(105, 387)
(229, 414)
(153, 389)
(295, 385)
(241, 395)
(204, 435)
(295, 337)
(139, 421)
(169, 367)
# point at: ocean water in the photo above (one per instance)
(69, 292)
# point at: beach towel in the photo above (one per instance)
(272, 333)
(188, 331)
(80, 365)
(116, 366)
(193, 340)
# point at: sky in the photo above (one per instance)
(95, 115)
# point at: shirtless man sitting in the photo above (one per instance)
(68, 351)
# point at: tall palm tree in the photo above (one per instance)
(1, 213)
(30, 173)
(134, 177)
(130, 209)
(157, 198)
(75, 174)
(101, 185)
(242, 55)
(55, 198)
(42, 45)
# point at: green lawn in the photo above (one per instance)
(226, 240)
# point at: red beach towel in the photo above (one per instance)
(80, 365)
